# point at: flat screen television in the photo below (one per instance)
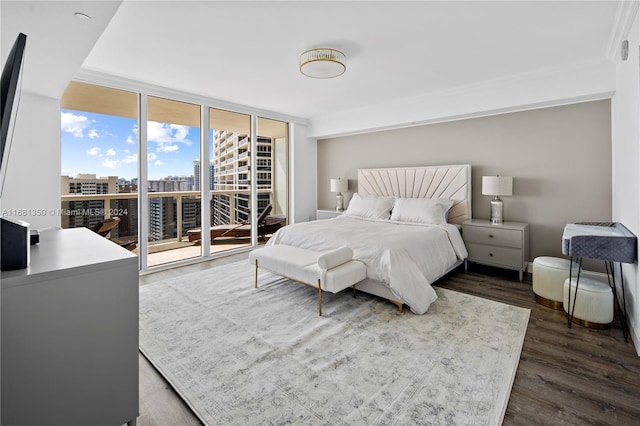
(14, 233)
(10, 99)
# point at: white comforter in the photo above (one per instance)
(406, 257)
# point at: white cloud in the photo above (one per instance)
(77, 125)
(158, 132)
(74, 124)
(131, 140)
(180, 133)
(151, 156)
(167, 148)
(111, 164)
(95, 151)
(167, 136)
(111, 152)
(158, 163)
(130, 159)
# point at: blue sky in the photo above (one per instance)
(107, 146)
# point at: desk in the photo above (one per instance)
(608, 242)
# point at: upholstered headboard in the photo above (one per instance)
(453, 182)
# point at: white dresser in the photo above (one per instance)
(70, 333)
(505, 245)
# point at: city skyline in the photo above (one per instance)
(106, 145)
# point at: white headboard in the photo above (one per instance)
(453, 182)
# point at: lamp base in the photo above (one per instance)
(339, 202)
(497, 211)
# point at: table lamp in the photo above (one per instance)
(339, 186)
(497, 186)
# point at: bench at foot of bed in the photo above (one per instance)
(331, 271)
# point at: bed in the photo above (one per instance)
(403, 224)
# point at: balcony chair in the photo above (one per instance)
(239, 230)
(104, 228)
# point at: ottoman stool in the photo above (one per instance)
(549, 274)
(594, 302)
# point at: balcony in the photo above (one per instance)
(171, 211)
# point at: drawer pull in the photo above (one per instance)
(490, 236)
(490, 254)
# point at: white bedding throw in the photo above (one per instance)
(407, 257)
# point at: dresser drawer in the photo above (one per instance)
(494, 236)
(492, 255)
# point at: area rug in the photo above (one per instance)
(244, 356)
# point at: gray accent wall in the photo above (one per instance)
(560, 159)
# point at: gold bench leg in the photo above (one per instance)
(319, 299)
(255, 285)
(398, 304)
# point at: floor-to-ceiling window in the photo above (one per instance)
(230, 171)
(223, 177)
(273, 164)
(173, 167)
(99, 161)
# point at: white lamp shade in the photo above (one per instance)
(497, 185)
(339, 185)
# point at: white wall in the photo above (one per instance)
(625, 120)
(302, 174)
(32, 183)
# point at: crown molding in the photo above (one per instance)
(625, 16)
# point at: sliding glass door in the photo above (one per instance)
(173, 162)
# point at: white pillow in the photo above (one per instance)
(421, 210)
(370, 207)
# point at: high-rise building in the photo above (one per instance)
(196, 175)
(127, 210)
(162, 214)
(86, 213)
(163, 211)
(232, 172)
(170, 184)
(89, 184)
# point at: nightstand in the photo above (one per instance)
(505, 245)
(327, 214)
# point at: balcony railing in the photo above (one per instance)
(179, 196)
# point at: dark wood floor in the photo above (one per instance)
(566, 376)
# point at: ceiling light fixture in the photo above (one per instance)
(323, 63)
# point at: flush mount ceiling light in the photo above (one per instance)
(323, 63)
